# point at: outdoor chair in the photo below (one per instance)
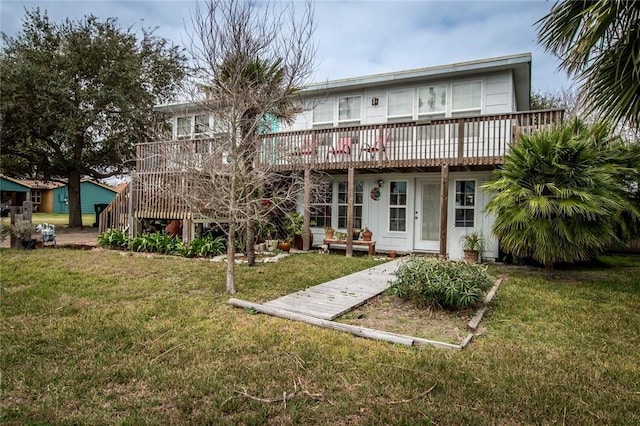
(344, 146)
(380, 145)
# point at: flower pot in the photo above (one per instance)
(284, 246)
(366, 235)
(299, 242)
(260, 247)
(471, 256)
(28, 244)
(272, 245)
(392, 254)
(328, 235)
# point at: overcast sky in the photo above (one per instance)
(356, 38)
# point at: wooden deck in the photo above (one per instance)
(334, 298)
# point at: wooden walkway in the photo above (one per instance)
(333, 298)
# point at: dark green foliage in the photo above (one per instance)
(441, 283)
(562, 196)
(598, 42)
(78, 96)
(161, 243)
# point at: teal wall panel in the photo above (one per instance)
(90, 194)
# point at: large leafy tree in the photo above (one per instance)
(78, 96)
(561, 194)
(598, 42)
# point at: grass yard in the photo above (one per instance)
(101, 337)
(61, 219)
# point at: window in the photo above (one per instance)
(466, 96)
(36, 196)
(432, 99)
(183, 127)
(398, 206)
(400, 104)
(321, 205)
(323, 112)
(465, 203)
(357, 205)
(201, 124)
(349, 109)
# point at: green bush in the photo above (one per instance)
(160, 242)
(441, 283)
(114, 238)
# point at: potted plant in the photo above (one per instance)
(294, 226)
(472, 244)
(367, 234)
(22, 230)
(328, 232)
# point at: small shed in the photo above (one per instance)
(40, 193)
(91, 193)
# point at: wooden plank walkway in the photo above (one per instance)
(334, 298)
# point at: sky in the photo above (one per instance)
(356, 38)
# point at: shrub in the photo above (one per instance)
(206, 247)
(114, 238)
(441, 283)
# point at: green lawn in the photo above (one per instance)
(61, 219)
(98, 337)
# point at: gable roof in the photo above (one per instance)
(34, 184)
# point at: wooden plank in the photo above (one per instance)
(350, 198)
(307, 210)
(444, 208)
(475, 321)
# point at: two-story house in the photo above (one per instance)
(406, 152)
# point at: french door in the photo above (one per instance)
(427, 215)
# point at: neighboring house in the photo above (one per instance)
(41, 193)
(417, 144)
(52, 197)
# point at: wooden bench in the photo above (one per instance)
(370, 244)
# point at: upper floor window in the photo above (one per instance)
(183, 125)
(323, 112)
(190, 126)
(400, 104)
(349, 109)
(466, 96)
(432, 99)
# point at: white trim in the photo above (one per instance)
(475, 202)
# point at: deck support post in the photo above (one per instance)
(444, 208)
(350, 196)
(306, 227)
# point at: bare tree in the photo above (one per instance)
(250, 60)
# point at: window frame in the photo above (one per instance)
(408, 115)
(359, 110)
(36, 196)
(344, 204)
(398, 207)
(188, 127)
(326, 205)
(471, 109)
(445, 88)
(464, 207)
(330, 104)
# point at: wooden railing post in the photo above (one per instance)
(444, 208)
(306, 232)
(350, 196)
(460, 140)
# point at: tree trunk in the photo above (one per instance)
(75, 207)
(548, 270)
(251, 237)
(231, 260)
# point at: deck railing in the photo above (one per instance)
(116, 214)
(481, 140)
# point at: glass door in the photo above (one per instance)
(427, 215)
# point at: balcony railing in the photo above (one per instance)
(482, 140)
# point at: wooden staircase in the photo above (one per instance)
(116, 215)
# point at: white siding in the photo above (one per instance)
(498, 93)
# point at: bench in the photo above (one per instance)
(371, 244)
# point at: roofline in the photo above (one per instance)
(520, 62)
(449, 70)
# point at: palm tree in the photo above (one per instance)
(559, 197)
(599, 43)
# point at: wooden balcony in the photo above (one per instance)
(468, 141)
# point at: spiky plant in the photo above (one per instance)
(559, 196)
